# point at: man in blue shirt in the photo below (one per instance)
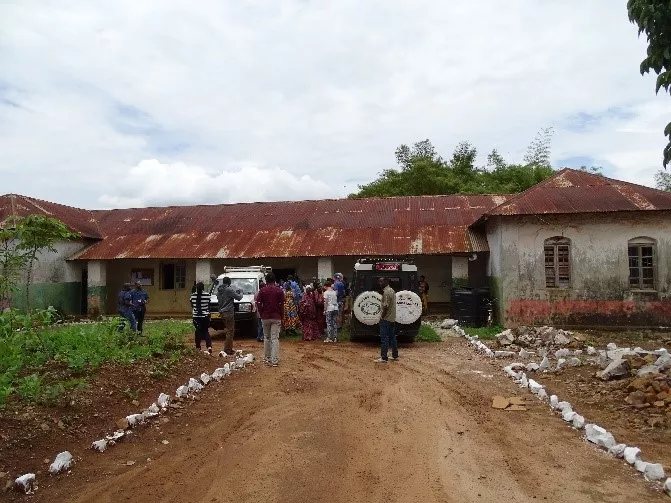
(139, 298)
(339, 287)
(125, 307)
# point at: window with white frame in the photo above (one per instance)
(173, 276)
(557, 262)
(642, 263)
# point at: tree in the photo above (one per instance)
(424, 172)
(39, 233)
(654, 18)
(12, 260)
(663, 180)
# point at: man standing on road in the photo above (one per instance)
(139, 298)
(226, 298)
(270, 303)
(125, 307)
(387, 321)
(331, 312)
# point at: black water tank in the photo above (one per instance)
(482, 296)
(465, 307)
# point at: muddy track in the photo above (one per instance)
(330, 425)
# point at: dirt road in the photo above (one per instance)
(330, 425)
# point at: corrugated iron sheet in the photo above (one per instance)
(77, 220)
(399, 226)
(572, 191)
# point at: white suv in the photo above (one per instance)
(246, 280)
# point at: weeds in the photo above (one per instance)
(484, 332)
(40, 361)
(427, 334)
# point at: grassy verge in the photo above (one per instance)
(40, 362)
(484, 332)
(427, 334)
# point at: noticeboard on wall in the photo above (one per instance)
(144, 276)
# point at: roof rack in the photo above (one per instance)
(377, 260)
(254, 268)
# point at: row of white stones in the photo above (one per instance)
(64, 460)
(593, 433)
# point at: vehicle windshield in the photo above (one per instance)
(248, 286)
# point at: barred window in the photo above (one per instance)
(642, 263)
(557, 262)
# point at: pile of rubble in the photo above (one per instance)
(538, 337)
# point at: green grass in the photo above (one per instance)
(40, 362)
(484, 332)
(427, 334)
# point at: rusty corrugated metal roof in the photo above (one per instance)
(573, 191)
(375, 226)
(77, 220)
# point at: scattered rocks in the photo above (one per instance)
(449, 323)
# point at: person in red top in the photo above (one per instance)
(270, 303)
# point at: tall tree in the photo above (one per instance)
(653, 18)
(663, 180)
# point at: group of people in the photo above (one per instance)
(132, 306)
(316, 309)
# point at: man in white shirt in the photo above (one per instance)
(331, 312)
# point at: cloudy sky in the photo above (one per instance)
(153, 102)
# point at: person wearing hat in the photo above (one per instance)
(125, 307)
(139, 298)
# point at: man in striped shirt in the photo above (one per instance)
(200, 312)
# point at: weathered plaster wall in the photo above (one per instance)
(459, 272)
(599, 292)
(54, 281)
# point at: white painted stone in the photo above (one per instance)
(554, 401)
(449, 323)
(545, 364)
(561, 340)
(564, 406)
(574, 362)
(62, 463)
(615, 368)
(568, 415)
(632, 454)
(578, 352)
(227, 369)
(578, 422)
(523, 382)
(599, 436)
(163, 400)
(560, 363)
(618, 450)
(153, 409)
(654, 472)
(611, 346)
(591, 350)
(135, 419)
(562, 353)
(233, 366)
(648, 369)
(526, 354)
(534, 387)
(205, 377)
(667, 486)
(640, 465)
(532, 367)
(249, 358)
(194, 385)
(664, 362)
(542, 394)
(511, 372)
(26, 483)
(218, 374)
(182, 391)
(99, 445)
(116, 436)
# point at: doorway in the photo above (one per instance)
(84, 301)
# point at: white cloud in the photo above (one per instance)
(92, 90)
(152, 183)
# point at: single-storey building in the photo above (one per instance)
(576, 249)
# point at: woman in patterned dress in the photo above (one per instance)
(290, 320)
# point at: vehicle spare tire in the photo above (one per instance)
(408, 307)
(367, 307)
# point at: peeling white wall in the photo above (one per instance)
(52, 267)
